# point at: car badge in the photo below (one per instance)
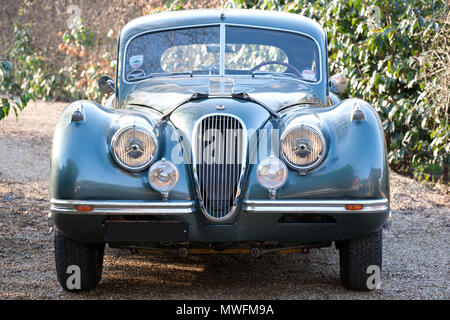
(220, 107)
(136, 61)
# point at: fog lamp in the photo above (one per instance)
(272, 174)
(163, 176)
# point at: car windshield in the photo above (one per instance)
(244, 51)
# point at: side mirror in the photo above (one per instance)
(338, 83)
(106, 84)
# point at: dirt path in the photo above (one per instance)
(416, 248)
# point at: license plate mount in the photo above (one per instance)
(146, 231)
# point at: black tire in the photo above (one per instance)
(88, 257)
(355, 256)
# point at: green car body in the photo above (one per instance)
(312, 207)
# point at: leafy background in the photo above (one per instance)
(395, 53)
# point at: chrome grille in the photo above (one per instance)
(219, 160)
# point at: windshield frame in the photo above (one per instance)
(222, 44)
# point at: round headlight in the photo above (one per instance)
(163, 176)
(134, 147)
(271, 173)
(303, 147)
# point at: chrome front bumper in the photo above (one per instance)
(123, 207)
(259, 221)
(186, 207)
(314, 206)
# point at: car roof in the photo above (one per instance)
(255, 18)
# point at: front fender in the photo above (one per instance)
(355, 165)
(83, 168)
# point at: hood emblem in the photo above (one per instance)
(220, 107)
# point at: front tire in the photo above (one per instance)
(75, 259)
(355, 257)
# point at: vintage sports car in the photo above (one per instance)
(221, 136)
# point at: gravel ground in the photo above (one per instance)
(416, 248)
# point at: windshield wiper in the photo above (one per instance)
(194, 96)
(277, 74)
(181, 73)
(198, 96)
(246, 97)
(165, 74)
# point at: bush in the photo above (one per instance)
(82, 66)
(17, 103)
(77, 79)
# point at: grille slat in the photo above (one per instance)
(219, 163)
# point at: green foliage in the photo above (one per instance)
(81, 67)
(80, 36)
(30, 75)
(174, 5)
(16, 103)
(34, 75)
(27, 76)
(382, 47)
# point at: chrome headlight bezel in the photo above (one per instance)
(313, 164)
(121, 163)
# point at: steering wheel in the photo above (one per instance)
(262, 64)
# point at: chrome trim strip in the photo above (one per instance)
(222, 51)
(313, 206)
(123, 207)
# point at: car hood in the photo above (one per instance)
(275, 92)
